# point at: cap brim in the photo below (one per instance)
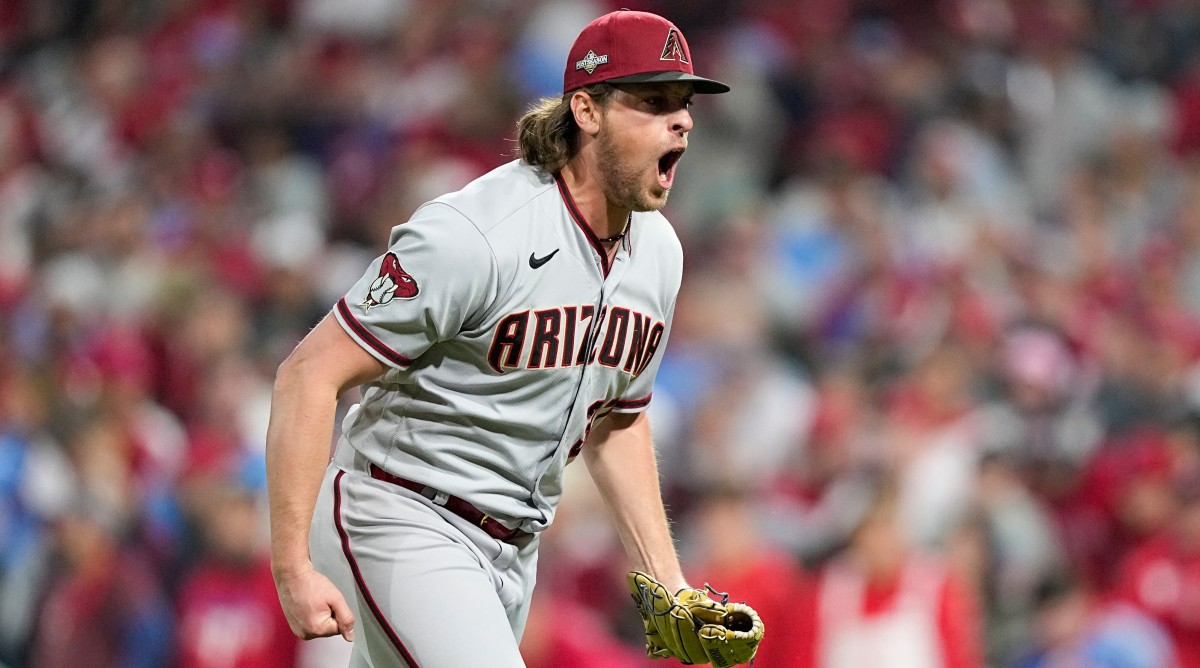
(700, 84)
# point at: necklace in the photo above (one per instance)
(615, 237)
(620, 235)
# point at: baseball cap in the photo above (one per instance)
(628, 46)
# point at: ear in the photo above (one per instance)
(587, 112)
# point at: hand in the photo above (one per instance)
(313, 606)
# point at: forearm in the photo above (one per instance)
(303, 405)
(620, 457)
(298, 438)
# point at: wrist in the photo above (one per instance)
(285, 569)
(675, 584)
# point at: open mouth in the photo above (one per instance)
(666, 167)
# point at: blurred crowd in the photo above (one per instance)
(932, 397)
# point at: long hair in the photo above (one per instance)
(547, 135)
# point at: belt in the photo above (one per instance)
(458, 506)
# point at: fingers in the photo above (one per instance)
(343, 618)
(327, 623)
(324, 627)
(331, 618)
(314, 607)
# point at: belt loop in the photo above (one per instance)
(441, 498)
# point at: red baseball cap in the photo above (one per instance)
(632, 47)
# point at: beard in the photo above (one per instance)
(621, 181)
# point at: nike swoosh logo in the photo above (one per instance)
(535, 262)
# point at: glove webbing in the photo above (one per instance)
(725, 599)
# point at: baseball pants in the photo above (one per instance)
(428, 589)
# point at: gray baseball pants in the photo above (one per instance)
(428, 589)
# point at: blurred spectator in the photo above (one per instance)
(228, 613)
(1023, 549)
(35, 487)
(1065, 104)
(884, 603)
(1162, 576)
(741, 406)
(1043, 414)
(1122, 499)
(560, 632)
(812, 506)
(1075, 628)
(964, 197)
(932, 442)
(824, 237)
(105, 606)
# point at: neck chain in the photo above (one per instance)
(620, 235)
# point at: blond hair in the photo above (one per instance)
(547, 135)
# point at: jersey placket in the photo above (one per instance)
(610, 275)
(594, 374)
(578, 421)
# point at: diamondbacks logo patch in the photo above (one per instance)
(392, 283)
(591, 61)
(673, 50)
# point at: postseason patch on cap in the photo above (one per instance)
(591, 61)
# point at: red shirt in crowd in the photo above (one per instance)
(229, 617)
(112, 612)
(561, 632)
(1164, 580)
(921, 617)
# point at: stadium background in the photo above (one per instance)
(937, 341)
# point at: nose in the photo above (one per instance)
(681, 122)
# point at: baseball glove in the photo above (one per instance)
(694, 628)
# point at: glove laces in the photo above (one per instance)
(724, 595)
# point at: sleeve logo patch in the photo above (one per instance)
(392, 283)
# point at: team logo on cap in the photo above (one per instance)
(673, 49)
(591, 61)
(393, 282)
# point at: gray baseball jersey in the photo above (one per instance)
(509, 334)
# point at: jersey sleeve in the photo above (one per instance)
(437, 273)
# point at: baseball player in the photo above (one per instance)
(509, 328)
